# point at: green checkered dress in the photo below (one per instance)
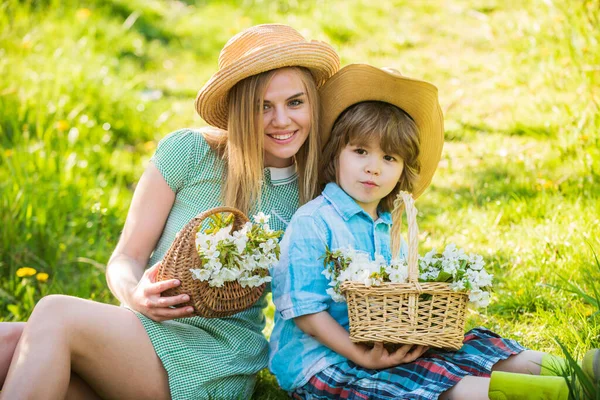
(212, 358)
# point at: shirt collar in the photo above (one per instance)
(281, 176)
(347, 207)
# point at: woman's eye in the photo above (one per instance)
(295, 103)
(266, 107)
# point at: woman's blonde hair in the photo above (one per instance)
(243, 145)
(371, 122)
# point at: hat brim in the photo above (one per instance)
(318, 57)
(356, 83)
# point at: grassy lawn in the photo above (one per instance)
(89, 87)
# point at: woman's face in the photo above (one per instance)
(286, 117)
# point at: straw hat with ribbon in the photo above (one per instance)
(258, 49)
(356, 83)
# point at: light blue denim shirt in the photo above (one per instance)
(335, 220)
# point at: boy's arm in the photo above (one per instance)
(330, 333)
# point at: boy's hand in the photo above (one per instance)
(378, 357)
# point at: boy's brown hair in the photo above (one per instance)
(371, 122)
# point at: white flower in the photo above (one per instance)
(484, 279)
(240, 243)
(268, 246)
(253, 281)
(476, 262)
(200, 274)
(222, 234)
(450, 266)
(216, 281)
(261, 218)
(338, 298)
(228, 274)
(429, 257)
(213, 264)
(479, 297)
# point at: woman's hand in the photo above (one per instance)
(146, 298)
(377, 357)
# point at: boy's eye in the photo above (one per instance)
(360, 151)
(389, 158)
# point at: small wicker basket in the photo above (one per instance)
(207, 301)
(427, 313)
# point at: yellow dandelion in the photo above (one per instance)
(62, 125)
(42, 277)
(83, 13)
(25, 272)
(8, 152)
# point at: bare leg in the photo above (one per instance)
(105, 345)
(469, 388)
(526, 362)
(80, 390)
(10, 332)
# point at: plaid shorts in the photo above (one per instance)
(424, 379)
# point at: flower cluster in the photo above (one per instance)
(349, 264)
(463, 271)
(244, 255)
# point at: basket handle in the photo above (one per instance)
(405, 201)
(186, 237)
(239, 218)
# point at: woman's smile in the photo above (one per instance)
(282, 137)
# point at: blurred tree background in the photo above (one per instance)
(87, 89)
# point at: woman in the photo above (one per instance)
(263, 158)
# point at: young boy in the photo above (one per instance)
(386, 136)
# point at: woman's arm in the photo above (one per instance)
(125, 273)
(326, 330)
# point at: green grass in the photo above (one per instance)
(89, 87)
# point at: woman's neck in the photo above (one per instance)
(275, 162)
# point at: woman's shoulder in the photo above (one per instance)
(200, 140)
(180, 153)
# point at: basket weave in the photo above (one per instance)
(207, 301)
(426, 313)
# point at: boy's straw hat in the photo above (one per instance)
(356, 83)
(258, 49)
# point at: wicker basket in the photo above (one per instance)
(429, 314)
(207, 301)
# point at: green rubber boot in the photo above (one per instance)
(553, 365)
(591, 365)
(510, 386)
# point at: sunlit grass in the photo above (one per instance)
(88, 87)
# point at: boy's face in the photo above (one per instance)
(368, 174)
